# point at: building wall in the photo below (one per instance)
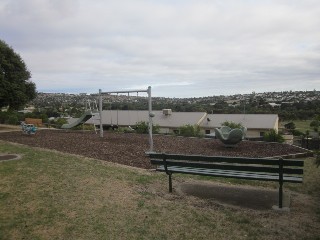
(165, 130)
(251, 133)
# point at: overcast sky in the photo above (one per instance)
(181, 48)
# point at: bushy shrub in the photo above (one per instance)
(315, 124)
(296, 132)
(124, 130)
(59, 122)
(232, 125)
(143, 128)
(190, 131)
(10, 117)
(83, 127)
(290, 126)
(273, 136)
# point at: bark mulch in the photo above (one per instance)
(129, 148)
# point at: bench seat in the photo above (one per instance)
(262, 169)
(230, 174)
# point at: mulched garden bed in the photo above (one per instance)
(129, 148)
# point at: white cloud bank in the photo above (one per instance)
(182, 48)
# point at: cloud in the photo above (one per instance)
(181, 48)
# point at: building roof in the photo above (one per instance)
(250, 121)
(131, 117)
(178, 119)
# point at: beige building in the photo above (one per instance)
(256, 124)
(169, 122)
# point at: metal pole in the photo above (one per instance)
(128, 91)
(100, 113)
(150, 119)
(149, 110)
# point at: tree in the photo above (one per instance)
(290, 126)
(16, 89)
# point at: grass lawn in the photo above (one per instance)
(301, 125)
(50, 195)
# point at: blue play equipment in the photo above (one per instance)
(28, 128)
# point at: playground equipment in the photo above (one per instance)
(85, 117)
(148, 91)
(29, 129)
(230, 137)
(91, 109)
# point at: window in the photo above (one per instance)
(208, 131)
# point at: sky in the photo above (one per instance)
(181, 48)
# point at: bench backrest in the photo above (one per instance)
(281, 166)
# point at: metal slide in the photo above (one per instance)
(85, 117)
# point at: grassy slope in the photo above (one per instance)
(301, 125)
(48, 195)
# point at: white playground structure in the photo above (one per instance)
(151, 115)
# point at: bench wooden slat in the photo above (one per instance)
(240, 160)
(231, 174)
(240, 167)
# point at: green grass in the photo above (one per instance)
(50, 195)
(303, 126)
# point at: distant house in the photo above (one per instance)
(169, 122)
(274, 105)
(256, 124)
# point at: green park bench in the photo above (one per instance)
(262, 169)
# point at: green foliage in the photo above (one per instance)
(290, 126)
(10, 117)
(59, 122)
(190, 131)
(317, 158)
(317, 117)
(315, 124)
(273, 136)
(84, 127)
(155, 128)
(142, 128)
(13, 119)
(296, 132)
(16, 89)
(232, 125)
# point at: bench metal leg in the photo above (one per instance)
(280, 195)
(280, 181)
(170, 183)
